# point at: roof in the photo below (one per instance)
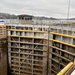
(24, 15)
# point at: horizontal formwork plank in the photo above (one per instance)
(57, 62)
(29, 72)
(61, 56)
(39, 55)
(37, 31)
(25, 67)
(65, 51)
(16, 73)
(53, 40)
(15, 47)
(42, 65)
(65, 35)
(27, 59)
(54, 65)
(54, 71)
(28, 43)
(35, 37)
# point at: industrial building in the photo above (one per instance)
(40, 49)
(25, 19)
(3, 50)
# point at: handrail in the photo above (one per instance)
(63, 71)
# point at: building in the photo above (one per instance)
(25, 19)
(29, 19)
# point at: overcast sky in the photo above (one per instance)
(49, 8)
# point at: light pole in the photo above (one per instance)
(68, 10)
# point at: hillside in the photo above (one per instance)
(7, 16)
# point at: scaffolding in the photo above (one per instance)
(26, 51)
(62, 47)
(35, 50)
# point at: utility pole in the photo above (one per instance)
(68, 13)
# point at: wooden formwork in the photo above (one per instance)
(2, 31)
(62, 49)
(27, 50)
(3, 51)
(27, 54)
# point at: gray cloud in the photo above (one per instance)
(50, 8)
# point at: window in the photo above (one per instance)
(26, 18)
(22, 18)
